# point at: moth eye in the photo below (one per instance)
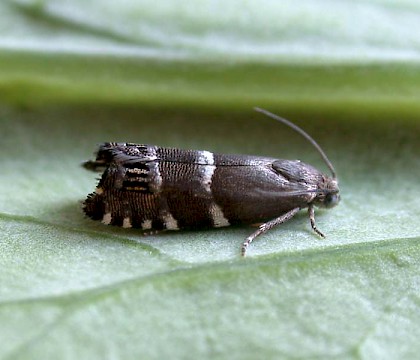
(331, 200)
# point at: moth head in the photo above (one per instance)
(329, 193)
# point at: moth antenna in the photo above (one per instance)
(304, 134)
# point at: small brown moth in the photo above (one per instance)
(155, 188)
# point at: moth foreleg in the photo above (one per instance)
(263, 228)
(311, 213)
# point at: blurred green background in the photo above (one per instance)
(174, 73)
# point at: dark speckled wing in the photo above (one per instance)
(152, 187)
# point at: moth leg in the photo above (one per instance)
(263, 228)
(311, 213)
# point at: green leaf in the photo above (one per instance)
(75, 74)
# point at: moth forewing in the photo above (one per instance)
(156, 188)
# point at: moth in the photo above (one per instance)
(157, 188)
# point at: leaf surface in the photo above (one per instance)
(75, 74)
